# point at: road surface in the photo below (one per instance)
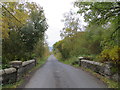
(58, 75)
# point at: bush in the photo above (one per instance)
(111, 54)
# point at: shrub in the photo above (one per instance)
(111, 54)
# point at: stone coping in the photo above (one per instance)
(11, 70)
(92, 62)
(16, 62)
(27, 62)
(81, 58)
(7, 71)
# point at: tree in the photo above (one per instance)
(101, 35)
(23, 34)
(71, 24)
(14, 16)
(102, 13)
(106, 15)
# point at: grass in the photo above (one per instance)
(40, 62)
(14, 85)
(70, 61)
(108, 82)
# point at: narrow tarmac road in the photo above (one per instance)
(58, 75)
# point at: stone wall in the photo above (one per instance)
(8, 75)
(103, 69)
(17, 70)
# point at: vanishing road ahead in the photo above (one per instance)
(58, 75)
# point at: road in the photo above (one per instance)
(55, 74)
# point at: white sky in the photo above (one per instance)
(54, 10)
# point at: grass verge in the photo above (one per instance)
(40, 63)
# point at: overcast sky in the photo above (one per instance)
(54, 10)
